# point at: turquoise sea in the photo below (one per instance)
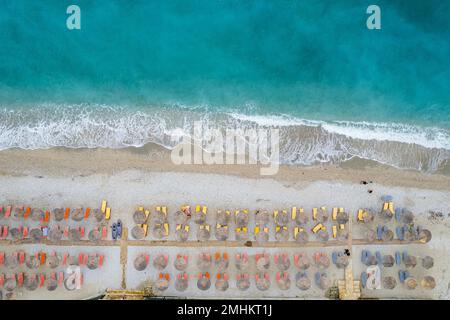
(138, 71)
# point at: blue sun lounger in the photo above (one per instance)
(363, 279)
(378, 256)
(403, 275)
(398, 214)
(404, 255)
(334, 256)
(379, 232)
(317, 277)
(398, 258)
(365, 254)
(400, 233)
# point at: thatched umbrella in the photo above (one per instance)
(199, 217)
(37, 214)
(322, 215)
(203, 234)
(181, 217)
(262, 262)
(95, 235)
(161, 261)
(182, 281)
(368, 216)
(410, 261)
(388, 261)
(262, 217)
(302, 237)
(77, 214)
(424, 236)
(31, 282)
(322, 260)
(159, 217)
(138, 232)
(322, 281)
(11, 261)
(283, 280)
(243, 281)
(407, 217)
(342, 261)
(389, 283)
(15, 233)
(241, 261)
(52, 284)
(241, 235)
(323, 235)
(301, 218)
(386, 215)
(241, 219)
(411, 283)
(282, 261)
(36, 235)
(222, 262)
(223, 217)
(58, 214)
(181, 262)
(158, 231)
(140, 262)
(342, 217)
(182, 234)
(302, 281)
(162, 284)
(262, 281)
(53, 261)
(204, 261)
(370, 235)
(282, 218)
(98, 215)
(221, 233)
(222, 284)
(342, 234)
(74, 235)
(19, 212)
(428, 262)
(93, 261)
(32, 262)
(139, 217)
(302, 261)
(428, 282)
(387, 236)
(203, 283)
(409, 235)
(262, 237)
(55, 234)
(73, 261)
(10, 284)
(371, 261)
(282, 234)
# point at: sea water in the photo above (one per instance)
(138, 71)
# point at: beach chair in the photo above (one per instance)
(360, 215)
(41, 280)
(398, 258)
(2, 258)
(378, 256)
(20, 279)
(101, 258)
(166, 228)
(42, 256)
(47, 216)
(5, 231)
(145, 227)
(2, 279)
(334, 256)
(400, 234)
(314, 212)
(81, 232)
(25, 232)
(363, 279)
(21, 258)
(103, 207)
(60, 278)
(403, 275)
(87, 213)
(317, 227)
(293, 213)
(8, 211)
(334, 229)
(379, 232)
(365, 254)
(317, 277)
(334, 214)
(27, 212)
(104, 233)
(108, 213)
(65, 257)
(398, 213)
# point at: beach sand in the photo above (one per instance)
(145, 176)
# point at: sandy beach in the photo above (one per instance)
(145, 176)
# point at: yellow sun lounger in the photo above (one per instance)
(166, 228)
(147, 212)
(164, 210)
(314, 213)
(360, 216)
(294, 213)
(341, 210)
(256, 230)
(342, 226)
(178, 227)
(204, 209)
(186, 228)
(391, 207)
(108, 213)
(297, 230)
(334, 214)
(317, 227)
(334, 228)
(103, 206)
(141, 209)
(197, 208)
(275, 213)
(145, 227)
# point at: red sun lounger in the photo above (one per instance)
(20, 279)
(60, 278)
(8, 211)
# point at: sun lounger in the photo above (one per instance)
(293, 213)
(25, 232)
(81, 232)
(60, 278)
(104, 233)
(365, 254)
(20, 279)
(67, 214)
(21, 258)
(42, 280)
(317, 227)
(334, 257)
(2, 258)
(166, 228)
(314, 210)
(42, 256)
(8, 211)
(391, 207)
(5, 231)
(317, 277)
(87, 213)
(65, 257)
(103, 207)
(403, 275)
(27, 212)
(360, 216)
(378, 256)
(363, 279)
(334, 229)
(379, 232)
(145, 227)
(399, 232)
(334, 214)
(108, 213)
(398, 258)
(2, 279)
(66, 232)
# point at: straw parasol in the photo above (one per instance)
(283, 262)
(221, 234)
(53, 261)
(37, 215)
(407, 216)
(411, 283)
(427, 262)
(342, 234)
(159, 217)
(323, 235)
(222, 263)
(342, 217)
(98, 215)
(322, 261)
(370, 235)
(203, 283)
(282, 235)
(52, 284)
(58, 214)
(36, 235)
(182, 234)
(161, 284)
(180, 217)
(243, 283)
(387, 236)
(303, 261)
(322, 215)
(19, 212)
(203, 234)
(261, 282)
(204, 261)
(93, 261)
(388, 261)
(323, 282)
(302, 281)
(15, 233)
(263, 263)
(409, 236)
(284, 283)
(181, 283)
(160, 262)
(95, 235)
(140, 262)
(11, 261)
(222, 217)
(139, 217)
(74, 234)
(241, 262)
(428, 282)
(302, 218)
(158, 231)
(77, 214)
(389, 283)
(371, 261)
(424, 236)
(410, 261)
(138, 232)
(241, 219)
(262, 237)
(199, 217)
(55, 234)
(368, 216)
(302, 237)
(31, 282)
(342, 261)
(262, 217)
(282, 218)
(32, 262)
(222, 284)
(180, 263)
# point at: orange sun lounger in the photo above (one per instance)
(66, 214)
(27, 212)
(86, 214)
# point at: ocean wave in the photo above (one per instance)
(302, 141)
